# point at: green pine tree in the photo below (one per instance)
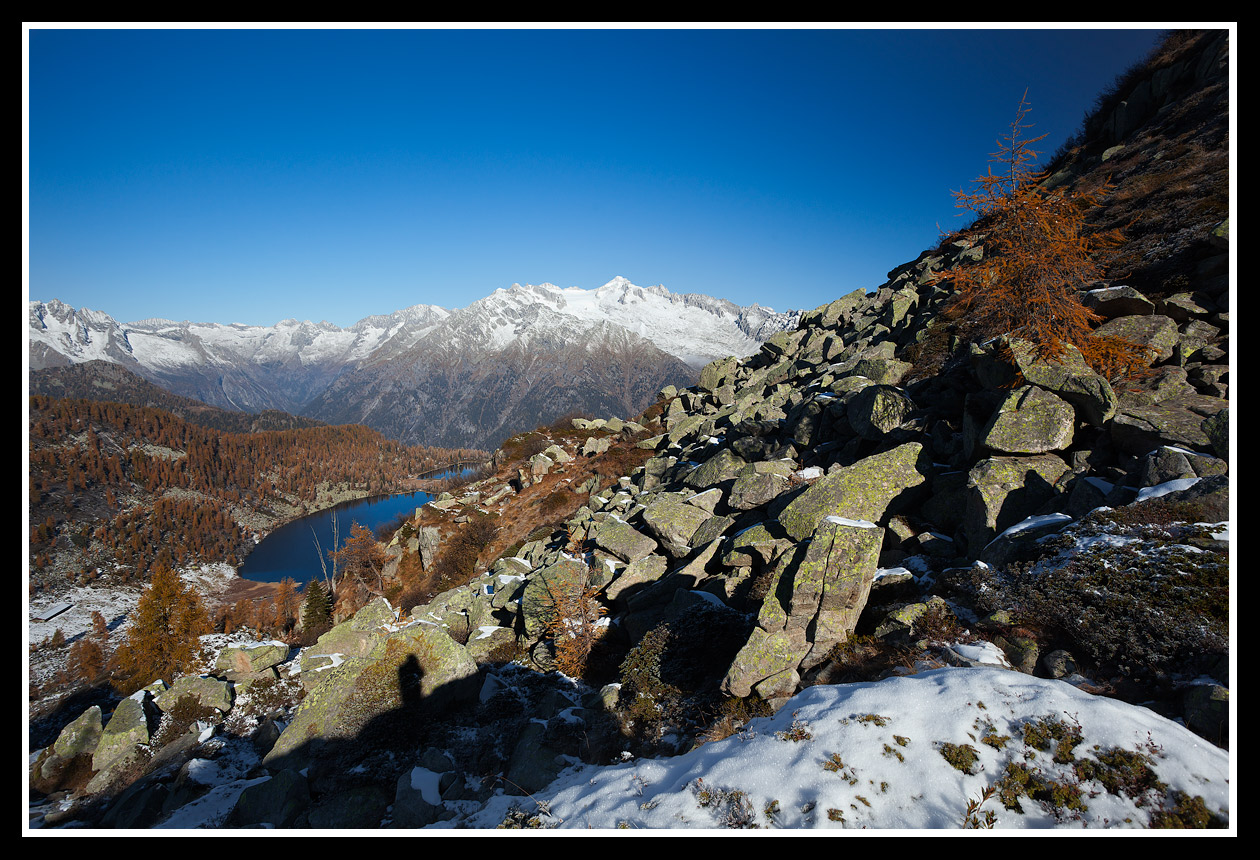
(315, 613)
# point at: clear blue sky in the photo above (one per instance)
(253, 175)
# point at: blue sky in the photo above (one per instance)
(329, 174)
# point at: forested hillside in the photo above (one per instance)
(114, 487)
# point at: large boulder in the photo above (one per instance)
(72, 751)
(817, 592)
(864, 491)
(1030, 420)
(1008, 361)
(407, 677)
(543, 589)
(758, 483)
(878, 409)
(204, 691)
(274, 802)
(673, 523)
(623, 540)
(1001, 491)
(119, 747)
(245, 660)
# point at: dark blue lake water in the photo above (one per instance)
(290, 550)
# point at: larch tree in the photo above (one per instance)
(163, 638)
(362, 561)
(1038, 256)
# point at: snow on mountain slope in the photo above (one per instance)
(293, 365)
(692, 327)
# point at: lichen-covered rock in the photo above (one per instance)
(539, 465)
(120, 742)
(638, 573)
(1009, 360)
(1136, 429)
(1117, 301)
(249, 659)
(717, 373)
(1030, 420)
(557, 454)
(1154, 331)
(623, 540)
(765, 657)
(206, 692)
(863, 491)
(276, 802)
(878, 409)
(1001, 491)
(415, 672)
(757, 483)
(831, 584)
(73, 749)
(673, 523)
(543, 588)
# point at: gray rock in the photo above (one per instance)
(120, 742)
(878, 409)
(1029, 420)
(1001, 491)
(673, 523)
(863, 491)
(206, 692)
(623, 540)
(276, 802)
(758, 483)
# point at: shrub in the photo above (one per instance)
(574, 623)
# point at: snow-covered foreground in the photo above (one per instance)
(855, 756)
(888, 736)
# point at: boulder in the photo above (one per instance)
(274, 802)
(864, 491)
(1001, 491)
(1154, 331)
(673, 523)
(121, 739)
(73, 750)
(816, 594)
(1029, 420)
(245, 660)
(417, 671)
(1117, 301)
(877, 409)
(206, 692)
(758, 483)
(537, 600)
(623, 540)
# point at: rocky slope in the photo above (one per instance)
(862, 498)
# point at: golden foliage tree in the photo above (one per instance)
(1038, 255)
(574, 616)
(162, 639)
(361, 562)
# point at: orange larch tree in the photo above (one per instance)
(1038, 256)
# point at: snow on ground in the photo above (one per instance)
(853, 756)
(890, 771)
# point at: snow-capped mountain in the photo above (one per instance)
(611, 347)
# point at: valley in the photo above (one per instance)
(951, 551)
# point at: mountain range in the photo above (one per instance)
(519, 358)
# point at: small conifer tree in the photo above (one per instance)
(162, 639)
(1038, 255)
(315, 612)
